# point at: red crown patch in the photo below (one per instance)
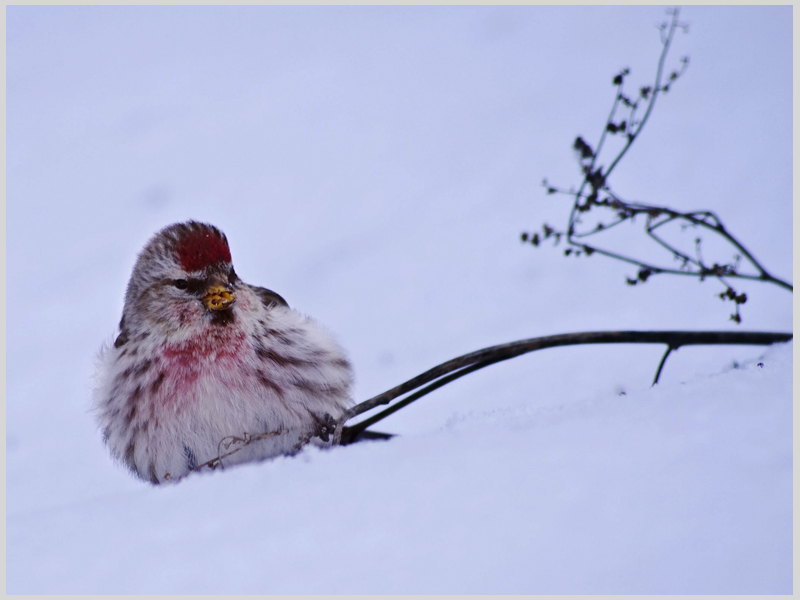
(201, 248)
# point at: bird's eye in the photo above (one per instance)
(181, 284)
(232, 277)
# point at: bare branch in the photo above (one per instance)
(595, 193)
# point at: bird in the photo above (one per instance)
(208, 371)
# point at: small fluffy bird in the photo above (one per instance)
(208, 371)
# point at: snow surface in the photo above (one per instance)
(376, 166)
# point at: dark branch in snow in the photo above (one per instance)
(463, 365)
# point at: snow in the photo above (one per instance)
(375, 166)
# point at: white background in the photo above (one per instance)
(375, 166)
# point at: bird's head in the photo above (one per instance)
(182, 279)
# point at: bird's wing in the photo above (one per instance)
(122, 338)
(269, 298)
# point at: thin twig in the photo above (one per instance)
(663, 360)
(227, 442)
(656, 90)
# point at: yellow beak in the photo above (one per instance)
(218, 297)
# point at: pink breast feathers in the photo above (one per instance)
(217, 351)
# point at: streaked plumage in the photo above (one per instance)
(207, 366)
